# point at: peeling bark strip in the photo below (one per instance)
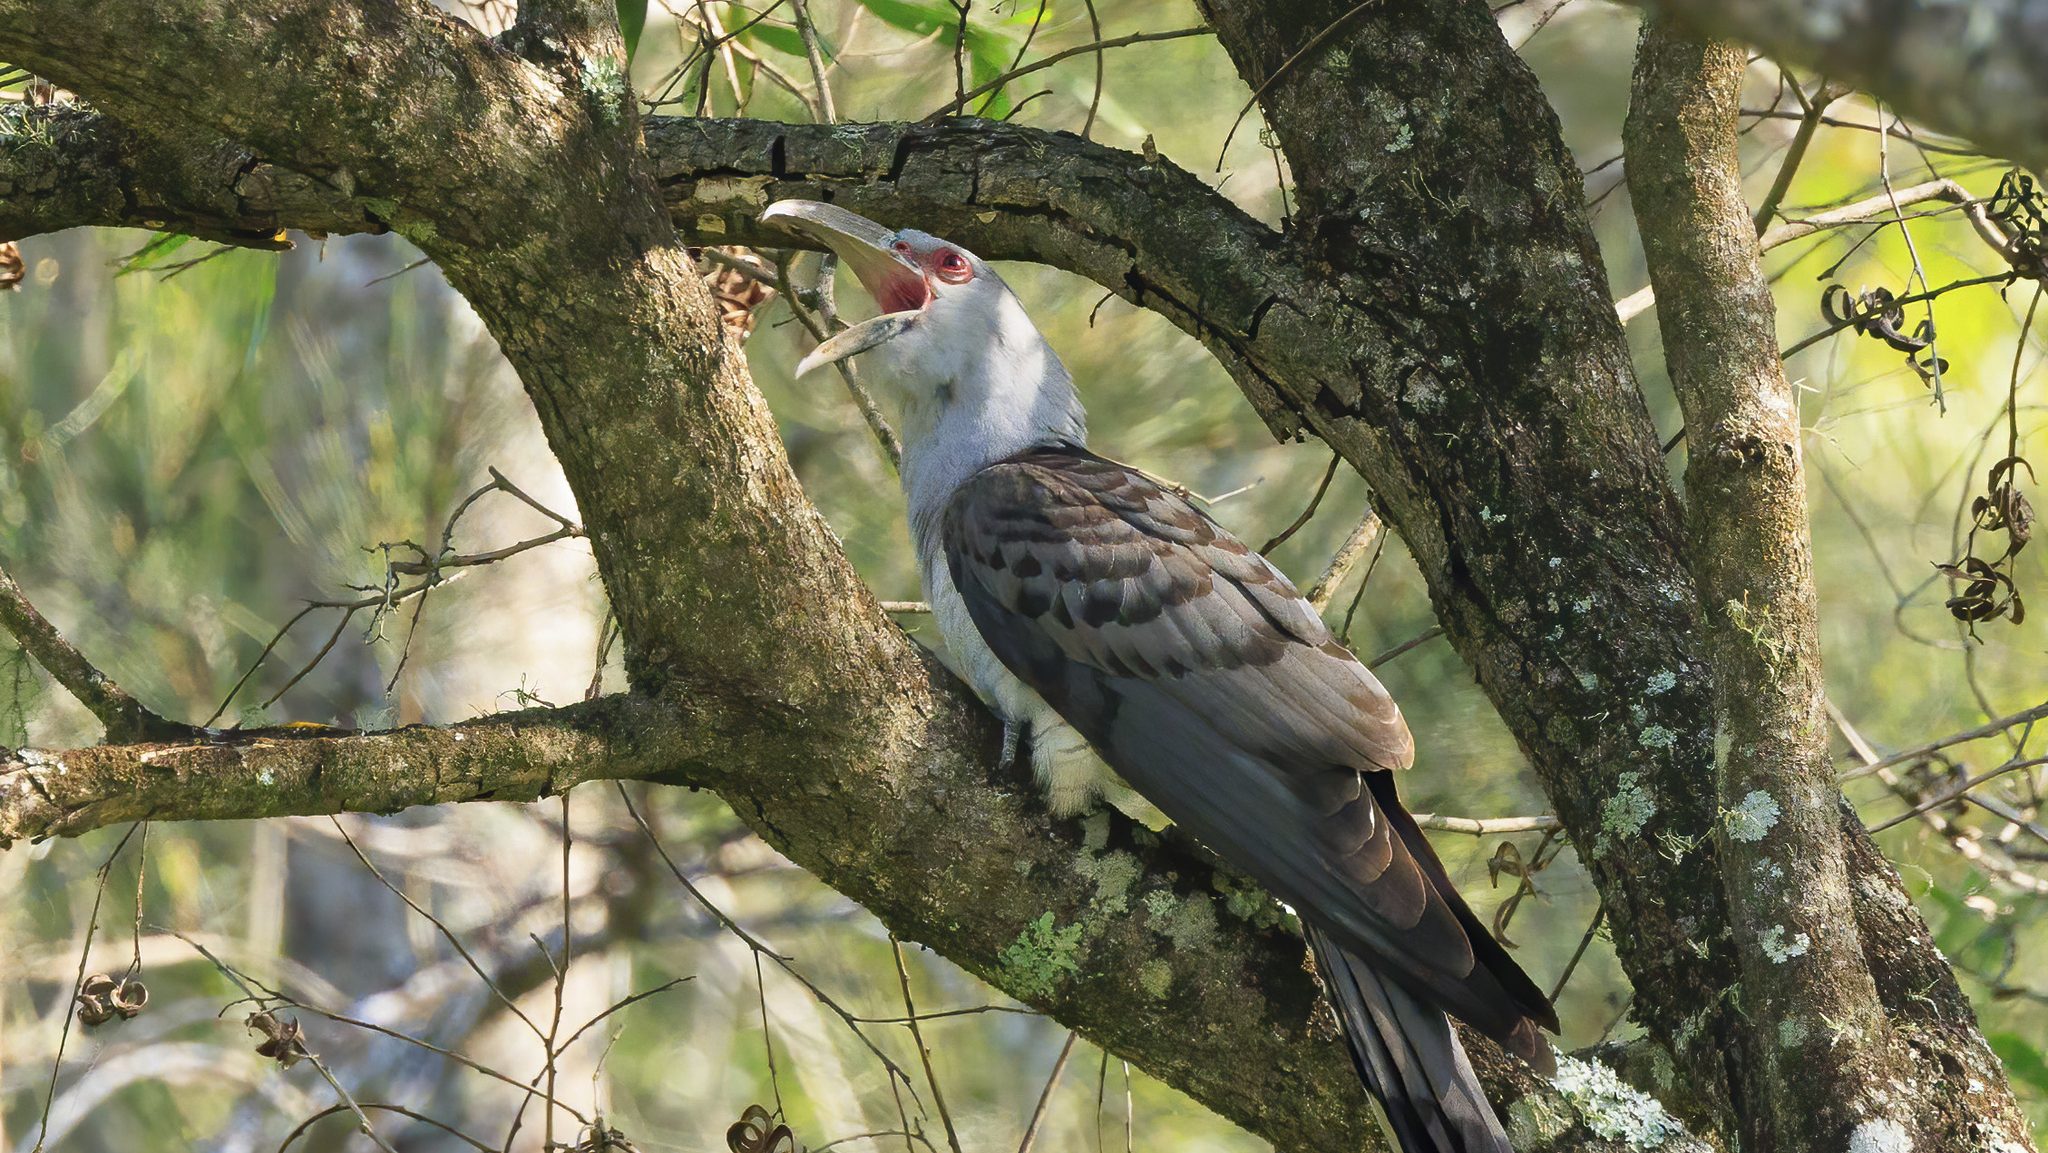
(1822, 1057)
(1441, 323)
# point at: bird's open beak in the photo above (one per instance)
(867, 248)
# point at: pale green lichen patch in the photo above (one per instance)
(1792, 1033)
(1247, 902)
(1156, 978)
(1040, 958)
(1611, 1107)
(1880, 1135)
(1095, 831)
(1536, 1121)
(1749, 820)
(1114, 875)
(1189, 922)
(1630, 808)
(605, 82)
(1662, 681)
(1657, 737)
(1781, 947)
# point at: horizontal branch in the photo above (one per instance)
(1184, 967)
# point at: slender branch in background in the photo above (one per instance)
(1989, 857)
(1578, 954)
(1795, 152)
(1094, 100)
(92, 924)
(1363, 536)
(961, 100)
(821, 327)
(1423, 637)
(1314, 502)
(2000, 278)
(801, 11)
(433, 571)
(1869, 211)
(125, 718)
(924, 1052)
(1488, 826)
(1045, 1095)
(381, 1107)
(759, 947)
(1884, 175)
(1991, 728)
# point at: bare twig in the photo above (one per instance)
(1314, 502)
(1286, 66)
(1421, 638)
(1363, 536)
(1920, 752)
(963, 99)
(924, 1052)
(1045, 1095)
(1488, 826)
(92, 924)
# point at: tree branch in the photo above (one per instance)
(125, 717)
(1979, 71)
(1182, 967)
(1779, 836)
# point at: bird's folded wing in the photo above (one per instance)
(1201, 674)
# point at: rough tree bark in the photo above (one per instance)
(1442, 324)
(1825, 1061)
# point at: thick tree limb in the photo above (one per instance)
(1164, 947)
(1780, 836)
(125, 717)
(1976, 70)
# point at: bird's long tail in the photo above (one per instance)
(1410, 1059)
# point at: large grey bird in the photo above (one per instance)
(1074, 589)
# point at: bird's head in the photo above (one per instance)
(947, 319)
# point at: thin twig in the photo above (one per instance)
(924, 1052)
(1045, 1095)
(963, 99)
(1592, 929)
(92, 924)
(1286, 66)
(447, 934)
(1487, 826)
(1314, 502)
(1423, 637)
(1363, 536)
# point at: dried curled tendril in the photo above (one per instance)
(1878, 313)
(2022, 213)
(1988, 590)
(757, 1131)
(102, 998)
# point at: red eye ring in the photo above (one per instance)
(953, 268)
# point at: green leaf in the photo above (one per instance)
(152, 254)
(918, 19)
(784, 40)
(632, 20)
(2022, 1058)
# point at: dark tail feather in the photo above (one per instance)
(1410, 1058)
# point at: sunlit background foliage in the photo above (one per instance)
(195, 443)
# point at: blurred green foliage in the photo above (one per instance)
(193, 442)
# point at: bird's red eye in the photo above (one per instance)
(903, 246)
(953, 268)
